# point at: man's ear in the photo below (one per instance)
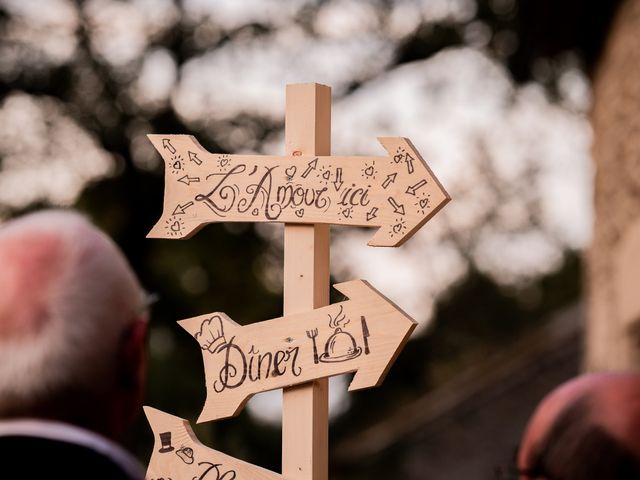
(133, 357)
(128, 391)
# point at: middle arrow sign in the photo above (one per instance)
(397, 193)
(363, 334)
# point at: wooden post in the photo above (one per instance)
(305, 415)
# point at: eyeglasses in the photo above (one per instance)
(148, 299)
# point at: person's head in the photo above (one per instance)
(72, 324)
(588, 428)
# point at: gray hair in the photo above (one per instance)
(67, 294)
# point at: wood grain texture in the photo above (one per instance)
(179, 455)
(305, 407)
(363, 334)
(626, 278)
(397, 193)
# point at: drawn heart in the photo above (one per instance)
(300, 212)
(368, 171)
(346, 212)
(424, 202)
(291, 171)
(326, 175)
(224, 162)
(255, 212)
(397, 228)
(398, 158)
(175, 226)
(177, 165)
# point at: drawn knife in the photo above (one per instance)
(365, 335)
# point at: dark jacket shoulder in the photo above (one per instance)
(37, 458)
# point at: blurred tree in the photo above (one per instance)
(81, 83)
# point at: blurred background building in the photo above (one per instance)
(506, 99)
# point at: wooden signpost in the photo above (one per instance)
(308, 189)
(363, 334)
(397, 193)
(178, 454)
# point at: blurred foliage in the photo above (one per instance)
(219, 268)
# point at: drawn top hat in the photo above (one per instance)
(165, 438)
(340, 346)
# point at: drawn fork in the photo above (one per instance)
(312, 334)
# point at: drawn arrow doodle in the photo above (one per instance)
(194, 158)
(299, 189)
(241, 361)
(409, 160)
(187, 180)
(166, 144)
(313, 164)
(180, 209)
(337, 183)
(399, 209)
(179, 455)
(389, 180)
(411, 190)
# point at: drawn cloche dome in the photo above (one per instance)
(340, 346)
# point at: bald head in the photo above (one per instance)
(68, 303)
(586, 424)
(30, 266)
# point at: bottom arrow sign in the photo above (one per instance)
(363, 334)
(179, 455)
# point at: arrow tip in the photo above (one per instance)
(361, 289)
(409, 216)
(372, 373)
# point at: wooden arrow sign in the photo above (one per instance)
(179, 455)
(397, 193)
(363, 334)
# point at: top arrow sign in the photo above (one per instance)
(397, 193)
